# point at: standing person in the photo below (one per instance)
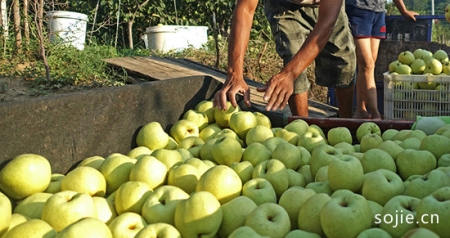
(367, 22)
(304, 31)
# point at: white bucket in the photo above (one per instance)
(67, 28)
(173, 37)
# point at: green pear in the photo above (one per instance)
(299, 195)
(422, 186)
(152, 136)
(221, 181)
(199, 118)
(86, 227)
(245, 232)
(374, 232)
(320, 187)
(288, 136)
(149, 170)
(85, 179)
(394, 215)
(127, 224)
(259, 190)
(160, 205)
(410, 143)
(345, 147)
(199, 215)
(381, 185)
(183, 128)
(436, 144)
(184, 176)
(309, 213)
(241, 122)
(32, 228)
(433, 210)
(370, 141)
(209, 132)
(287, 153)
(295, 178)
(300, 233)
(131, 196)
(235, 212)
(345, 209)
(275, 172)
(116, 170)
(272, 142)
(158, 230)
(206, 106)
(389, 134)
(6, 211)
(322, 174)
(168, 157)
(66, 207)
(32, 205)
(95, 161)
(310, 140)
(105, 208)
(339, 134)
(375, 159)
(421, 232)
(410, 162)
(345, 172)
(269, 219)
(298, 126)
(365, 128)
(244, 169)
(24, 175)
(392, 148)
(193, 144)
(262, 119)
(321, 156)
(226, 151)
(223, 117)
(305, 170)
(258, 133)
(256, 153)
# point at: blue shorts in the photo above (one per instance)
(366, 23)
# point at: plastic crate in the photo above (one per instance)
(403, 100)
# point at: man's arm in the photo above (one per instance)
(280, 87)
(239, 36)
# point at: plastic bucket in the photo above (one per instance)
(67, 28)
(173, 37)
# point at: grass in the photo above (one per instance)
(87, 69)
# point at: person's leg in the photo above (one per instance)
(345, 97)
(298, 103)
(290, 25)
(366, 90)
(336, 64)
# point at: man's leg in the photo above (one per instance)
(298, 103)
(345, 101)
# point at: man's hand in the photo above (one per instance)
(231, 87)
(278, 90)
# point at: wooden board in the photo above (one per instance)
(157, 68)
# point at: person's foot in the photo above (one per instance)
(362, 115)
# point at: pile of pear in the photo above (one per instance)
(230, 173)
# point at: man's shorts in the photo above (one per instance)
(366, 23)
(291, 24)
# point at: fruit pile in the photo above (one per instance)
(421, 62)
(231, 174)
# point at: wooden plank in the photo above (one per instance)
(157, 68)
